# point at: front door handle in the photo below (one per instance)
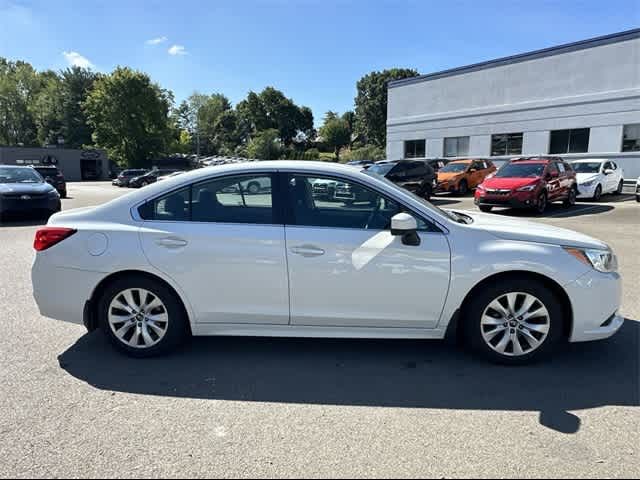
(307, 251)
(172, 242)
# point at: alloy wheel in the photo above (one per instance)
(515, 324)
(138, 318)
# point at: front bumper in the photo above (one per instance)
(587, 192)
(512, 200)
(595, 299)
(37, 205)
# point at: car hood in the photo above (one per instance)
(446, 176)
(526, 231)
(509, 182)
(586, 177)
(25, 188)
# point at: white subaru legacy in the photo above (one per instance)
(205, 254)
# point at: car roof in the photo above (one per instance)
(537, 159)
(16, 166)
(592, 160)
(466, 160)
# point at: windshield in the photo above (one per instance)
(587, 167)
(456, 217)
(19, 175)
(521, 170)
(454, 168)
(381, 169)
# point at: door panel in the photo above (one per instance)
(218, 240)
(366, 278)
(230, 273)
(347, 270)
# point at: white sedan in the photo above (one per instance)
(199, 255)
(596, 177)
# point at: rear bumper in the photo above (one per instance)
(61, 293)
(595, 298)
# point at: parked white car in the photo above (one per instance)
(191, 255)
(596, 177)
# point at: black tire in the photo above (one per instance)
(542, 203)
(620, 188)
(472, 332)
(177, 327)
(485, 208)
(571, 199)
(63, 194)
(463, 188)
(427, 192)
(253, 188)
(597, 195)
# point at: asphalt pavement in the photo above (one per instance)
(243, 407)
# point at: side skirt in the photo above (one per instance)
(236, 330)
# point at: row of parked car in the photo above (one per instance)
(138, 178)
(528, 182)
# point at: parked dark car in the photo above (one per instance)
(23, 192)
(361, 163)
(417, 176)
(54, 177)
(127, 175)
(149, 178)
(530, 183)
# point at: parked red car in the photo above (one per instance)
(529, 183)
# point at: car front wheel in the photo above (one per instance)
(142, 317)
(541, 204)
(513, 322)
(571, 199)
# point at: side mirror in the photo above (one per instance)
(608, 171)
(552, 175)
(48, 179)
(405, 226)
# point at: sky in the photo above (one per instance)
(313, 50)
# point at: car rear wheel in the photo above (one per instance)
(142, 317)
(486, 208)
(571, 199)
(514, 322)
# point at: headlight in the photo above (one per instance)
(587, 184)
(603, 261)
(528, 188)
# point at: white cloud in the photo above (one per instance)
(76, 60)
(177, 50)
(156, 41)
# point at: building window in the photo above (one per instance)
(415, 149)
(456, 147)
(631, 138)
(506, 144)
(569, 141)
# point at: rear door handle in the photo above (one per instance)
(172, 242)
(307, 251)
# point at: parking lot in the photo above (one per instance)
(229, 407)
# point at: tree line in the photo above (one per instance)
(136, 121)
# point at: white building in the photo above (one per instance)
(580, 100)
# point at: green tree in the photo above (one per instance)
(371, 104)
(336, 135)
(270, 109)
(75, 85)
(20, 86)
(266, 145)
(129, 115)
(210, 111)
(368, 152)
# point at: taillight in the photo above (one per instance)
(49, 236)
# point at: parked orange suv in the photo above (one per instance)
(461, 176)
